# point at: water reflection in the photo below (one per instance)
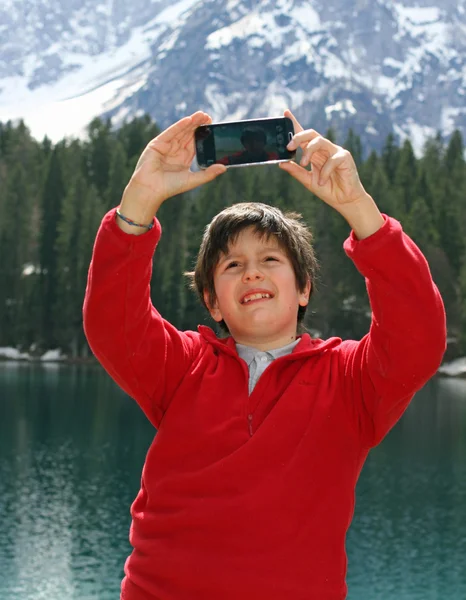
(41, 503)
(408, 538)
(71, 452)
(456, 388)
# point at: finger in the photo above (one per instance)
(290, 115)
(188, 142)
(204, 176)
(181, 138)
(200, 118)
(188, 138)
(308, 179)
(303, 176)
(330, 166)
(302, 137)
(181, 127)
(318, 143)
(175, 130)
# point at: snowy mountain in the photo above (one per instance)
(374, 65)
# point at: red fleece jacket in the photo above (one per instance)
(226, 515)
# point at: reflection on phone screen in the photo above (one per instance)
(249, 144)
(244, 142)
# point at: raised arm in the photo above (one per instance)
(141, 351)
(407, 337)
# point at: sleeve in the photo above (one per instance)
(142, 352)
(407, 336)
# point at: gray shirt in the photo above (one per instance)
(258, 360)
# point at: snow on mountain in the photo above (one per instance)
(91, 77)
(377, 66)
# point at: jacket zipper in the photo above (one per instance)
(250, 424)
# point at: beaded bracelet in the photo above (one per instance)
(130, 222)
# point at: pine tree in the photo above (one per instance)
(171, 217)
(13, 250)
(135, 135)
(118, 176)
(455, 175)
(419, 225)
(68, 300)
(52, 198)
(424, 190)
(452, 207)
(454, 155)
(331, 135)
(390, 156)
(376, 183)
(23, 190)
(175, 300)
(194, 313)
(405, 179)
(354, 146)
(98, 154)
(432, 164)
(5, 133)
(46, 147)
(92, 212)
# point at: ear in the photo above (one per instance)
(304, 295)
(213, 310)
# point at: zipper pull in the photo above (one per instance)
(250, 424)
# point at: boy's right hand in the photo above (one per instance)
(163, 170)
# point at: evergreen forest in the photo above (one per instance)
(53, 197)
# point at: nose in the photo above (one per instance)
(252, 273)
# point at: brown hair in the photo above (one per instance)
(292, 235)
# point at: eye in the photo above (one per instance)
(232, 264)
(271, 258)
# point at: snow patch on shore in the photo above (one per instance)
(13, 354)
(8, 353)
(456, 368)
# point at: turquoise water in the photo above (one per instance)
(72, 446)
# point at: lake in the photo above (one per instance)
(72, 446)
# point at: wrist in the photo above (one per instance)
(129, 226)
(139, 202)
(138, 205)
(363, 216)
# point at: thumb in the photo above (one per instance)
(299, 173)
(205, 175)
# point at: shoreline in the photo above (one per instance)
(455, 368)
(55, 357)
(37, 361)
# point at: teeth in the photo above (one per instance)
(255, 297)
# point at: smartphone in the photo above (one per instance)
(244, 143)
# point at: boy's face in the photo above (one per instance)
(256, 266)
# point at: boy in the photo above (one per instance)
(248, 488)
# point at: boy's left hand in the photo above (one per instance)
(334, 177)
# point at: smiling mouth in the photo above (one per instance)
(256, 298)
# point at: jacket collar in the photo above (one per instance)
(306, 347)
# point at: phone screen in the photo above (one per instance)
(240, 143)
